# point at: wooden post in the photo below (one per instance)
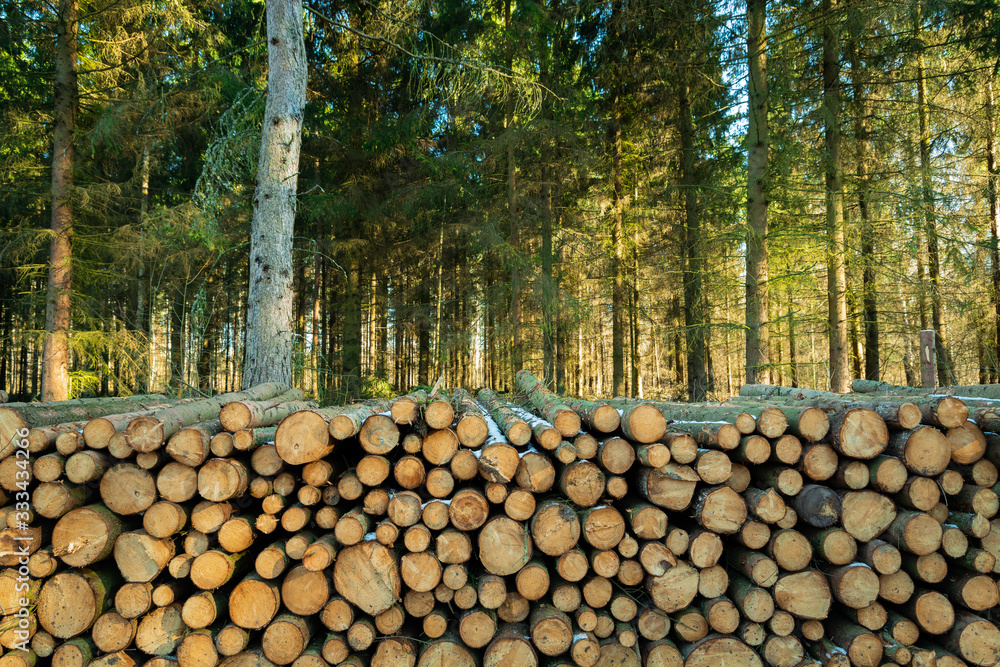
(928, 359)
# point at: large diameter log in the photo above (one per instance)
(505, 546)
(128, 489)
(146, 434)
(968, 443)
(583, 483)
(304, 436)
(860, 434)
(805, 595)
(675, 589)
(238, 415)
(671, 486)
(510, 646)
(866, 514)
(720, 510)
(70, 602)
(924, 451)
(192, 445)
(367, 575)
(915, 532)
(85, 535)
(715, 650)
(141, 557)
(160, 630)
(253, 602)
(974, 639)
(555, 527)
(222, 479)
(817, 505)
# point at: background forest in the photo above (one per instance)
(555, 185)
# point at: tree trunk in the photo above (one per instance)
(618, 303)
(55, 360)
(836, 270)
(993, 169)
(269, 312)
(944, 366)
(757, 334)
(694, 298)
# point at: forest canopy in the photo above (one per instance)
(627, 198)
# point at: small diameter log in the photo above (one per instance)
(215, 568)
(239, 415)
(596, 416)
(565, 420)
(517, 431)
(147, 434)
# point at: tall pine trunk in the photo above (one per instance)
(694, 298)
(269, 310)
(516, 353)
(836, 268)
(757, 333)
(55, 357)
(944, 366)
(869, 302)
(617, 215)
(993, 176)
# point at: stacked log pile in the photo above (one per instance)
(440, 528)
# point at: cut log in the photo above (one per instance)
(596, 416)
(858, 433)
(85, 535)
(805, 595)
(817, 505)
(819, 462)
(924, 451)
(715, 650)
(367, 575)
(239, 415)
(675, 589)
(565, 420)
(516, 430)
(866, 514)
(146, 434)
(254, 602)
(141, 557)
(127, 489)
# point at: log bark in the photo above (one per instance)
(238, 415)
(560, 415)
(148, 433)
(516, 430)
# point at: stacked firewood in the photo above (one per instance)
(438, 528)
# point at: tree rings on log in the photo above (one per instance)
(367, 575)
